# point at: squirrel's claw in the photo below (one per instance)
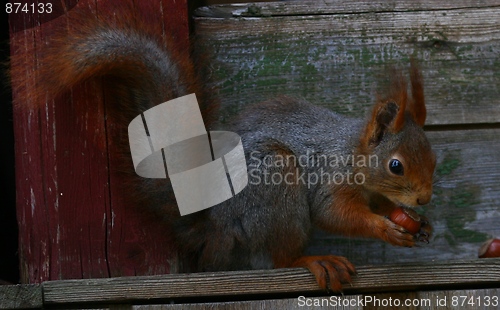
(425, 230)
(330, 271)
(423, 238)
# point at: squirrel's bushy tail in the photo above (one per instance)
(136, 61)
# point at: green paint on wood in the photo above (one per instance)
(253, 11)
(461, 199)
(450, 162)
(333, 61)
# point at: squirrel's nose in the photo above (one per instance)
(423, 200)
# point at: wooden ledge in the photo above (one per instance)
(244, 285)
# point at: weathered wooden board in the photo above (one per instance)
(333, 7)
(289, 304)
(463, 299)
(443, 299)
(457, 299)
(332, 56)
(278, 289)
(294, 282)
(464, 210)
(21, 296)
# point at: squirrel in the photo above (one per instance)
(362, 168)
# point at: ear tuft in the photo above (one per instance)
(416, 107)
(389, 114)
(398, 93)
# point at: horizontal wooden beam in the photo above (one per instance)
(336, 54)
(331, 7)
(262, 283)
(249, 285)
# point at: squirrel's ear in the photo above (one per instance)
(389, 114)
(386, 117)
(416, 106)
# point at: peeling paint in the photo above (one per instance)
(32, 202)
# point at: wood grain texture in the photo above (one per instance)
(462, 299)
(464, 209)
(424, 300)
(29, 297)
(390, 301)
(278, 281)
(323, 302)
(21, 296)
(333, 54)
(335, 58)
(73, 221)
(332, 7)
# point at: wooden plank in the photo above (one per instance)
(456, 299)
(73, 219)
(61, 182)
(29, 297)
(464, 209)
(330, 7)
(404, 300)
(33, 233)
(336, 60)
(481, 299)
(321, 302)
(120, 307)
(137, 243)
(471, 273)
(21, 296)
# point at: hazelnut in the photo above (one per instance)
(406, 218)
(490, 248)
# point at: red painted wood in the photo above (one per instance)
(177, 21)
(73, 221)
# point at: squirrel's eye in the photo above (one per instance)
(396, 167)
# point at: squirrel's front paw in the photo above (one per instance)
(336, 269)
(394, 234)
(425, 232)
